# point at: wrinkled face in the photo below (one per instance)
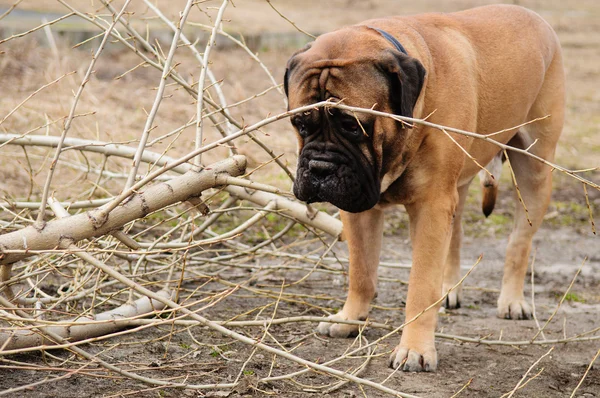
(340, 152)
(337, 161)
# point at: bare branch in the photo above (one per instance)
(18, 245)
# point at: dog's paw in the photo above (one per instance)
(454, 298)
(338, 330)
(513, 309)
(413, 360)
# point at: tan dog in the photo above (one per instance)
(482, 70)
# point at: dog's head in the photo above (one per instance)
(342, 154)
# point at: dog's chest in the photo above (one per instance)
(402, 191)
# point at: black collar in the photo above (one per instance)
(391, 39)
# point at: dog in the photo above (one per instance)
(483, 70)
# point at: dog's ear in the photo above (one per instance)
(291, 64)
(406, 76)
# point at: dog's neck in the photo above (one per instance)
(391, 39)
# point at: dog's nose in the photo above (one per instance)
(321, 167)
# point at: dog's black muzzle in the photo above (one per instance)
(328, 173)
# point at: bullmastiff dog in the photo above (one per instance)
(483, 70)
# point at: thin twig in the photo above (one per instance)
(159, 95)
(537, 323)
(587, 202)
(526, 373)
(517, 189)
(290, 21)
(586, 373)
(561, 300)
(69, 120)
(204, 68)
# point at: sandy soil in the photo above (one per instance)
(120, 106)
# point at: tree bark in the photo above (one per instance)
(58, 233)
(85, 327)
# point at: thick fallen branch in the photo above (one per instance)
(84, 327)
(296, 210)
(17, 245)
(291, 208)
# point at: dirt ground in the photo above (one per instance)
(200, 356)
(491, 371)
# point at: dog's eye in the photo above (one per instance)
(352, 128)
(302, 130)
(350, 125)
(300, 125)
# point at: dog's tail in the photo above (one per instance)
(489, 184)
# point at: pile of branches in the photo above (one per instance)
(165, 237)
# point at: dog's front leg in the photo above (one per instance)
(363, 232)
(430, 230)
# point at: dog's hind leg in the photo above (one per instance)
(364, 232)
(452, 266)
(535, 183)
